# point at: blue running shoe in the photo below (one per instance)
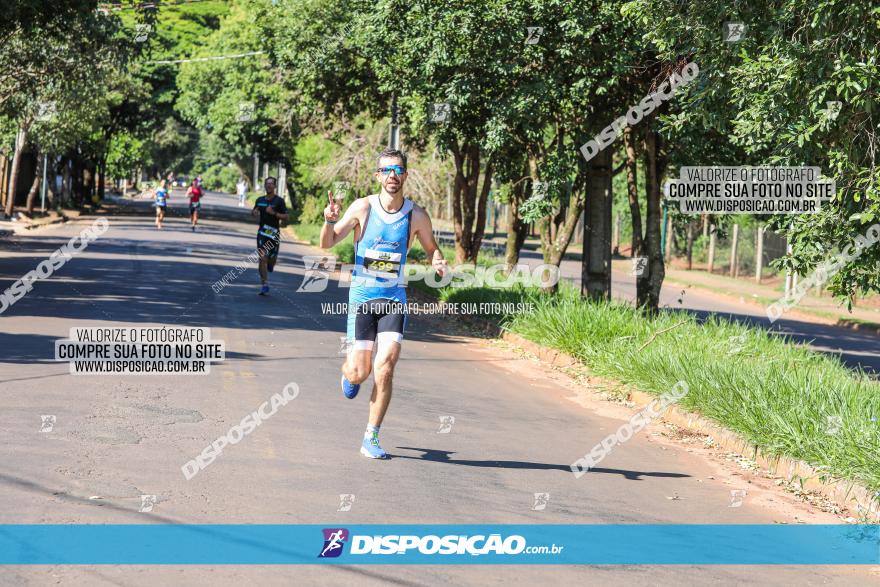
(350, 390)
(264, 289)
(371, 449)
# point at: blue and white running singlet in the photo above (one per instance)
(380, 257)
(161, 196)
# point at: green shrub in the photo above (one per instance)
(312, 210)
(220, 178)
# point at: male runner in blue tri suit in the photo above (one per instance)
(161, 203)
(384, 225)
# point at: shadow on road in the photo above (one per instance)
(128, 277)
(442, 456)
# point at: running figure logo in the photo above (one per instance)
(833, 424)
(736, 498)
(833, 109)
(48, 422)
(341, 189)
(534, 34)
(317, 273)
(639, 264)
(446, 423)
(541, 501)
(539, 190)
(46, 111)
(147, 503)
(245, 111)
(737, 343)
(346, 500)
(142, 31)
(733, 32)
(334, 540)
(440, 112)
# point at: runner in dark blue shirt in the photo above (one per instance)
(272, 210)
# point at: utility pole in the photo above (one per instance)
(712, 239)
(394, 134)
(596, 256)
(667, 235)
(282, 180)
(615, 239)
(790, 278)
(43, 186)
(734, 268)
(256, 186)
(759, 255)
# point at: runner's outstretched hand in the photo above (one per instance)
(333, 208)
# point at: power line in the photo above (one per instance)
(115, 7)
(212, 58)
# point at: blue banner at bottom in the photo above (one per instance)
(620, 544)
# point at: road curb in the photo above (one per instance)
(844, 492)
(27, 224)
(872, 327)
(802, 314)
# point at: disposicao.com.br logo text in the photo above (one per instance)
(393, 544)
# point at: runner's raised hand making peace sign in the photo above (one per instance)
(333, 208)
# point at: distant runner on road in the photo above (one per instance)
(271, 209)
(194, 192)
(161, 203)
(241, 188)
(384, 225)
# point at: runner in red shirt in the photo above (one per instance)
(194, 192)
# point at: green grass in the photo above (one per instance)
(417, 253)
(778, 394)
(344, 251)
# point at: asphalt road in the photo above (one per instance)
(517, 426)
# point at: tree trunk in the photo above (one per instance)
(20, 142)
(516, 237)
(516, 228)
(78, 183)
(4, 171)
(632, 188)
(554, 252)
(690, 244)
(543, 226)
(89, 183)
(51, 183)
(469, 202)
(65, 181)
(35, 188)
(101, 176)
(648, 285)
(596, 258)
(480, 228)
